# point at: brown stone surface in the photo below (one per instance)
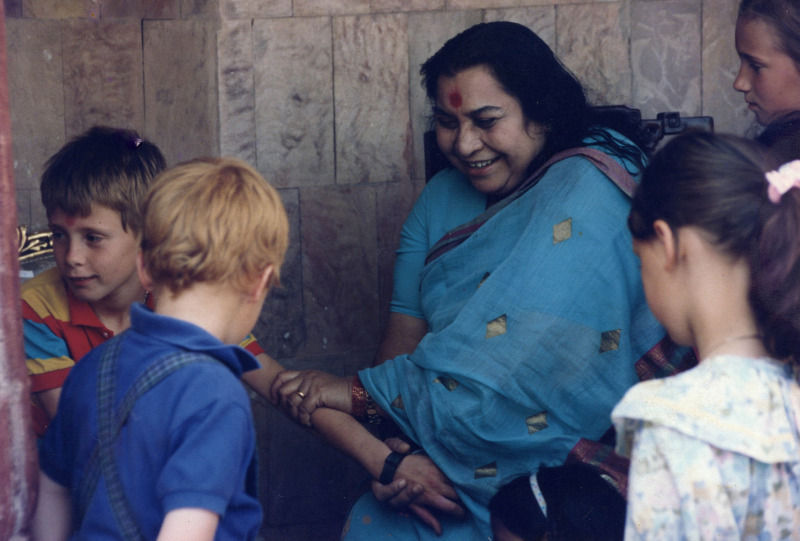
(102, 74)
(373, 131)
(246, 9)
(200, 9)
(23, 202)
(141, 9)
(592, 41)
(542, 20)
(237, 116)
(480, 4)
(666, 57)
(720, 66)
(310, 8)
(340, 268)
(60, 9)
(394, 202)
(30, 211)
(37, 100)
(294, 101)
(280, 329)
(181, 88)
(12, 8)
(383, 6)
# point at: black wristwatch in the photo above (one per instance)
(390, 467)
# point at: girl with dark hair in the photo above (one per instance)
(715, 451)
(518, 318)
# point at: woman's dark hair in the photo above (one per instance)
(581, 506)
(717, 183)
(528, 70)
(783, 16)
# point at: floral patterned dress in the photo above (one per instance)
(714, 453)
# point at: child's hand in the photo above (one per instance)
(299, 393)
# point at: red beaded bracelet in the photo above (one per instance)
(363, 406)
(359, 399)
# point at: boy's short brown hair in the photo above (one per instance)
(107, 166)
(212, 220)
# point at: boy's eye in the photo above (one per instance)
(755, 67)
(93, 238)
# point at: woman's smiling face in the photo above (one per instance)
(483, 131)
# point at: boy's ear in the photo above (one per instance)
(667, 242)
(144, 276)
(264, 281)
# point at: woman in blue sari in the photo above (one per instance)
(518, 314)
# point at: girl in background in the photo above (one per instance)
(768, 44)
(715, 450)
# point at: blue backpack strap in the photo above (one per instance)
(110, 422)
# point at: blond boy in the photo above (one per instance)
(153, 436)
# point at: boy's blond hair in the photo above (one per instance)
(212, 220)
(107, 166)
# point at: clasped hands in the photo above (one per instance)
(419, 485)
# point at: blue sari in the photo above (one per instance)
(537, 319)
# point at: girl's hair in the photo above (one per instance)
(783, 16)
(528, 70)
(717, 183)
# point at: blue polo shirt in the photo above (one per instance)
(189, 441)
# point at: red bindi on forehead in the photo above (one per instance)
(69, 220)
(455, 99)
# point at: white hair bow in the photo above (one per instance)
(784, 179)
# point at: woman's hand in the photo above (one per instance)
(299, 393)
(420, 486)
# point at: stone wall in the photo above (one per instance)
(323, 96)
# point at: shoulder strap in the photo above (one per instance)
(608, 165)
(110, 422)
